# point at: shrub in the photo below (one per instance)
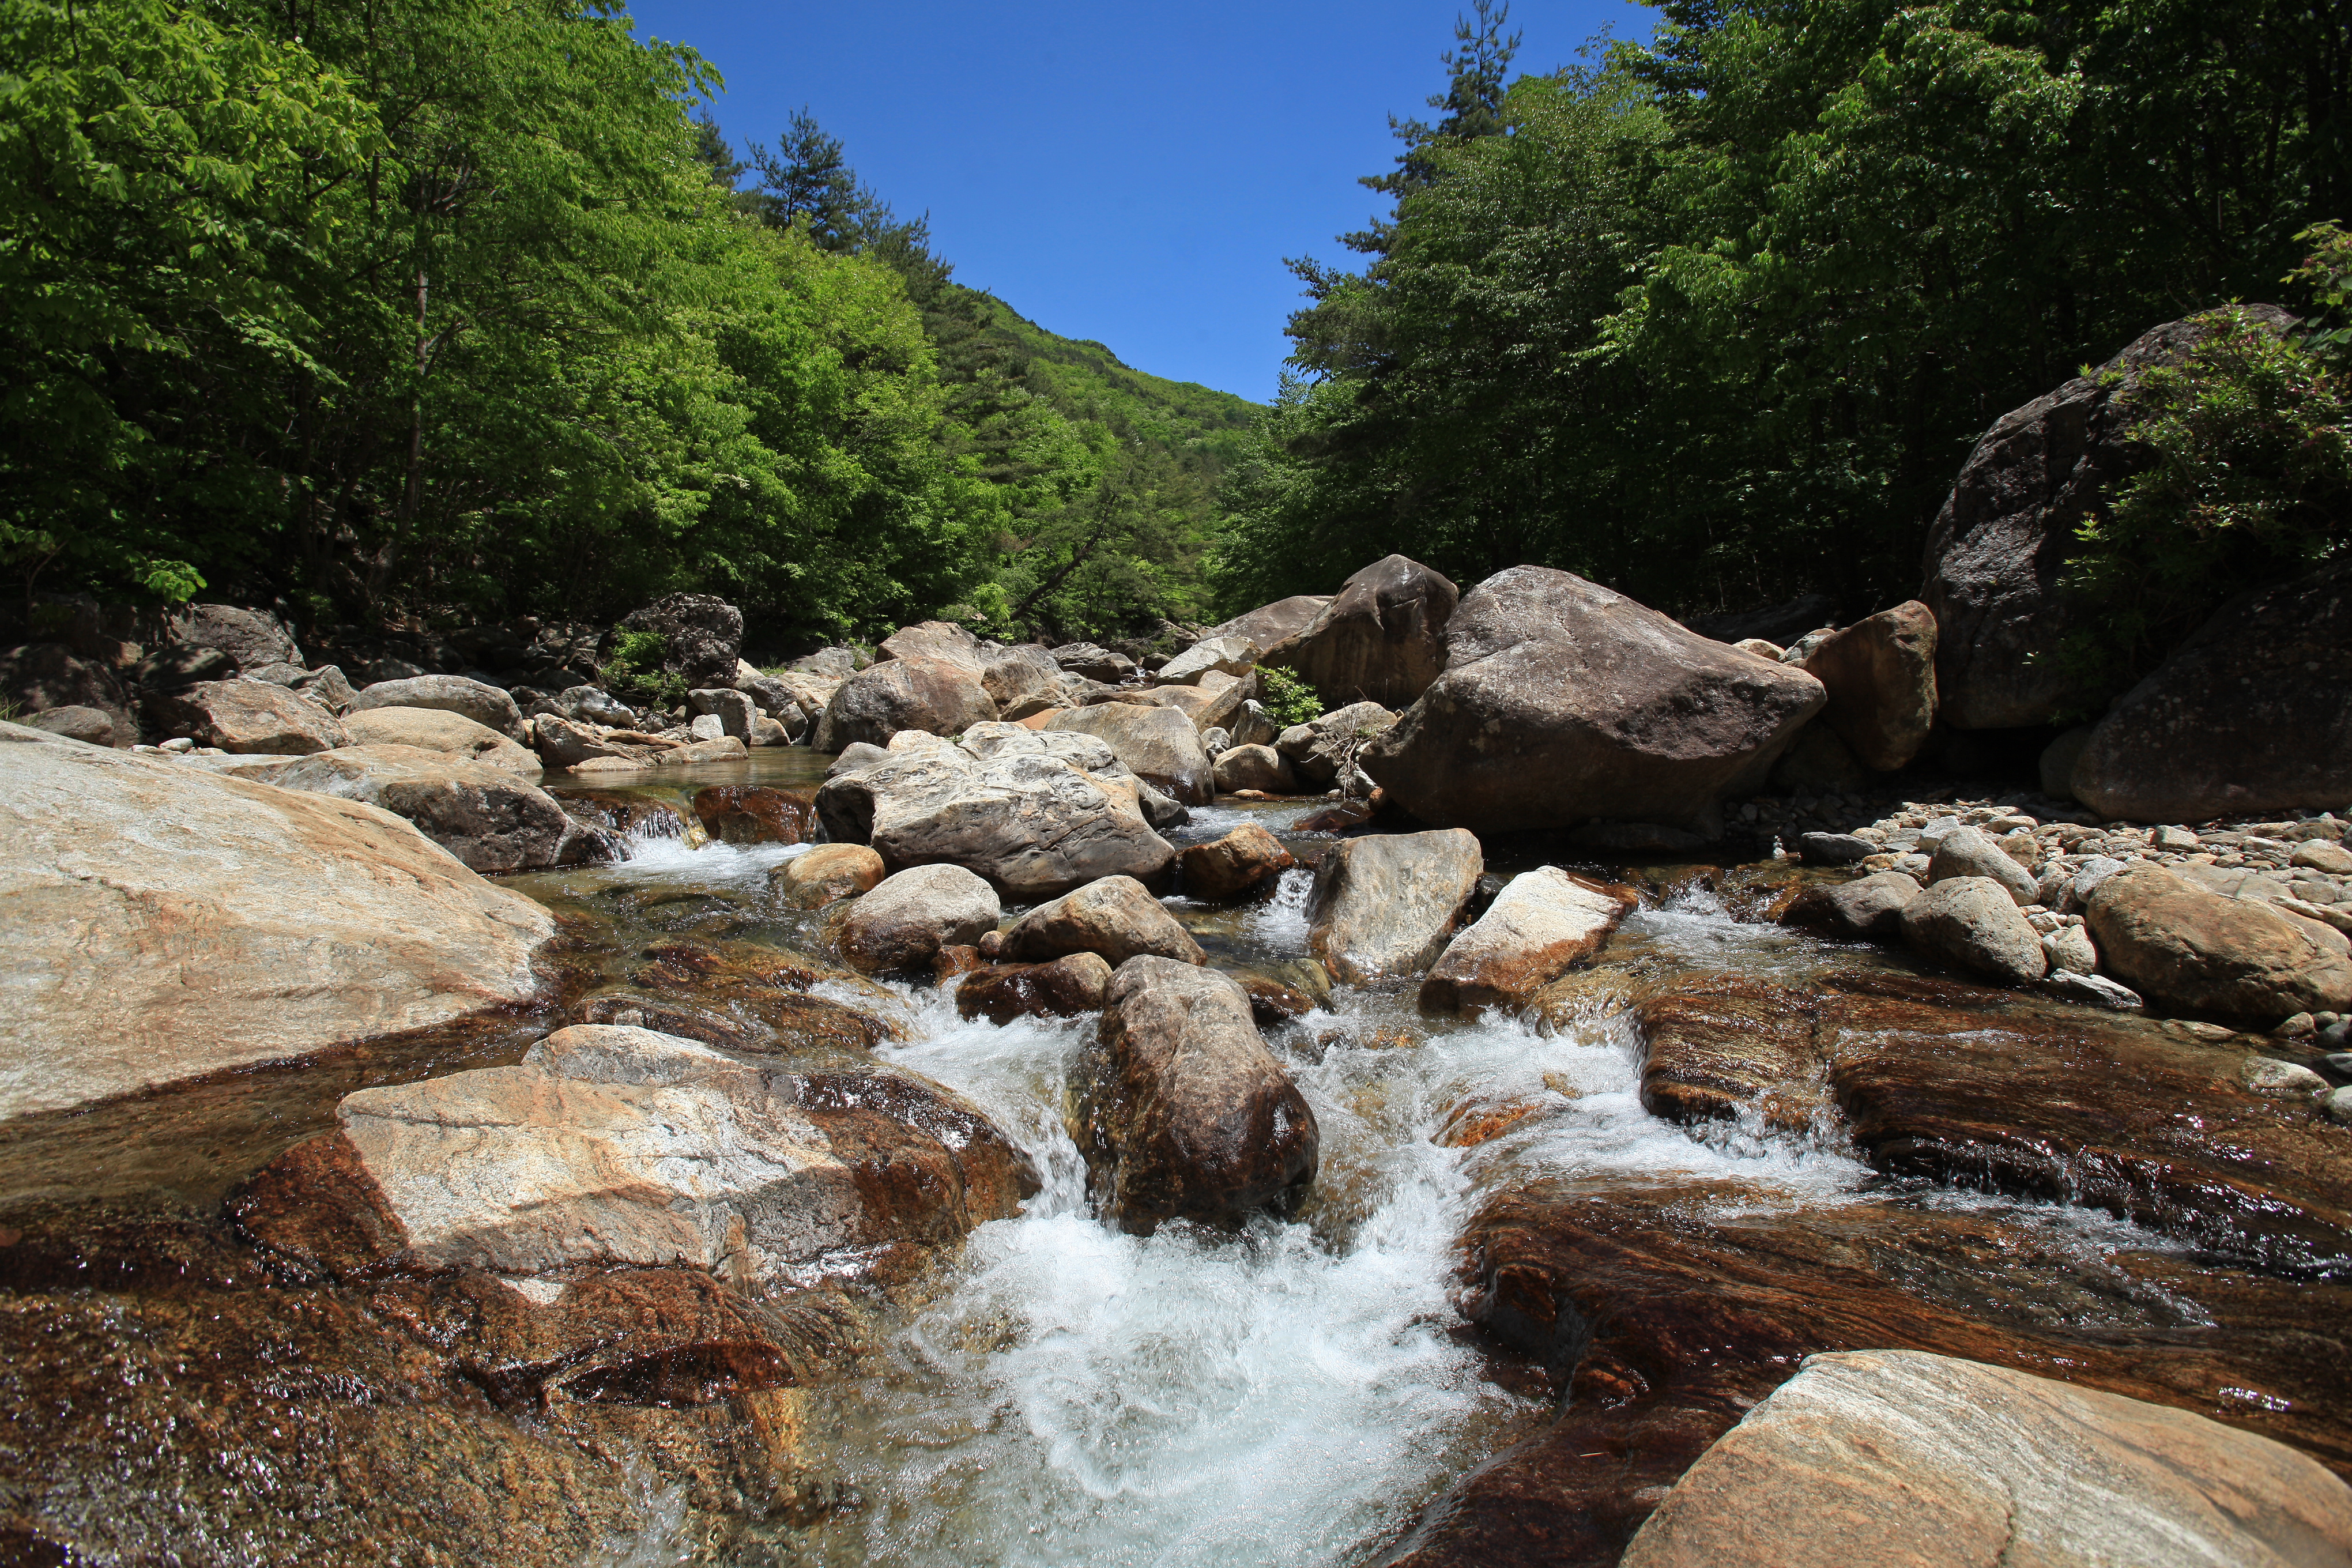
(1287, 699)
(638, 670)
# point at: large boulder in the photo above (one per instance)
(440, 730)
(909, 917)
(248, 639)
(942, 640)
(2252, 714)
(1563, 701)
(2167, 937)
(1158, 744)
(1319, 749)
(1270, 625)
(797, 700)
(881, 699)
(1380, 639)
(489, 818)
(1541, 925)
(1022, 673)
(1972, 923)
(608, 1146)
(735, 711)
(1217, 654)
(2001, 543)
(1880, 674)
(1036, 813)
(1244, 861)
(485, 705)
(703, 633)
(247, 716)
(1387, 905)
(1260, 768)
(1115, 917)
(165, 923)
(1182, 1113)
(39, 677)
(1888, 1457)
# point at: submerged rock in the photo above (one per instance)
(755, 814)
(1387, 905)
(1544, 924)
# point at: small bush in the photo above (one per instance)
(1288, 699)
(636, 670)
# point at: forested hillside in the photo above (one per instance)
(1715, 318)
(420, 312)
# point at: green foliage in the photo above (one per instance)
(2326, 276)
(2250, 481)
(636, 669)
(1287, 699)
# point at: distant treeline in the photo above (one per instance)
(1714, 319)
(432, 309)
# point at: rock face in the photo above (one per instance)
(909, 917)
(1563, 701)
(828, 872)
(1243, 861)
(1880, 674)
(1066, 987)
(1158, 744)
(1380, 639)
(1902, 1457)
(1539, 927)
(1973, 922)
(1270, 625)
(218, 922)
(1387, 905)
(2249, 714)
(438, 730)
(2167, 937)
(1182, 1113)
(1037, 815)
(485, 705)
(489, 819)
(881, 699)
(249, 716)
(39, 677)
(1115, 917)
(1254, 767)
(2000, 544)
(613, 1146)
(705, 633)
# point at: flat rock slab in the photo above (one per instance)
(165, 923)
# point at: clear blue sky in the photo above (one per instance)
(1129, 173)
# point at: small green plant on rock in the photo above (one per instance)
(1287, 698)
(637, 670)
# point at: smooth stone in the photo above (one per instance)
(1387, 905)
(485, 704)
(1059, 988)
(910, 915)
(1542, 924)
(1158, 744)
(2092, 990)
(1115, 917)
(1834, 849)
(1880, 674)
(441, 729)
(2172, 940)
(1973, 923)
(1239, 863)
(247, 717)
(2287, 1080)
(1380, 639)
(828, 872)
(878, 701)
(1968, 852)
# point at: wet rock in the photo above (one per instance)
(1563, 701)
(768, 997)
(1271, 624)
(216, 922)
(1380, 639)
(2171, 940)
(613, 1146)
(91, 726)
(1254, 767)
(1062, 988)
(911, 915)
(1880, 674)
(490, 820)
(2246, 716)
(754, 814)
(2091, 990)
(1218, 654)
(881, 699)
(1244, 861)
(1271, 1001)
(1999, 545)
(1966, 852)
(485, 705)
(702, 633)
(247, 717)
(1182, 1110)
(1904, 1457)
(1973, 923)
(1540, 926)
(1388, 905)
(41, 677)
(828, 872)
(2280, 1079)
(438, 730)
(1115, 917)
(1159, 745)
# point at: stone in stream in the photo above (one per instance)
(580, 749)
(1561, 702)
(828, 872)
(1387, 905)
(755, 814)
(1182, 1113)
(439, 730)
(766, 996)
(1244, 861)
(1062, 987)
(1115, 917)
(1157, 744)
(1254, 767)
(485, 705)
(911, 915)
(611, 1146)
(217, 923)
(1966, 852)
(247, 716)
(1902, 1457)
(1540, 926)
(1380, 639)
(1873, 906)
(2092, 990)
(2170, 939)
(1973, 923)
(881, 699)
(1880, 674)
(489, 818)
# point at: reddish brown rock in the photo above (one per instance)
(1540, 926)
(1062, 988)
(828, 872)
(1243, 861)
(754, 814)
(1880, 674)
(2167, 937)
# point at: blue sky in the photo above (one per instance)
(1129, 173)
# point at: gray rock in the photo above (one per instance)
(1317, 749)
(1023, 676)
(250, 638)
(1834, 849)
(1094, 663)
(1968, 852)
(1254, 726)
(92, 726)
(2092, 990)
(732, 709)
(836, 663)
(910, 916)
(595, 705)
(485, 705)
(926, 694)
(2338, 1106)
(1223, 655)
(1159, 745)
(1380, 639)
(1254, 767)
(1973, 923)
(1115, 917)
(708, 727)
(246, 717)
(1388, 905)
(1216, 742)
(703, 634)
(2093, 871)
(2071, 948)
(492, 821)
(1873, 906)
